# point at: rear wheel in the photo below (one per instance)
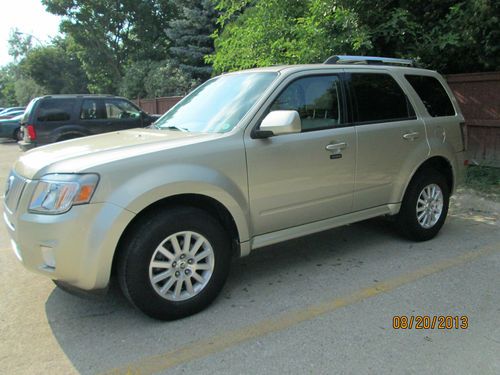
(173, 263)
(18, 135)
(425, 206)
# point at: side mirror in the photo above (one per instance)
(278, 123)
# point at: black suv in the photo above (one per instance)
(57, 118)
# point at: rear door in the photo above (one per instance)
(390, 136)
(93, 116)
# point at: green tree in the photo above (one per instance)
(7, 86)
(275, 32)
(16, 88)
(27, 89)
(109, 34)
(56, 67)
(448, 35)
(19, 44)
(465, 39)
(132, 83)
(191, 38)
(149, 79)
(165, 79)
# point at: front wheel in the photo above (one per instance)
(173, 263)
(425, 206)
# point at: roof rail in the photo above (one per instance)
(369, 60)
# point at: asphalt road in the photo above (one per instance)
(322, 304)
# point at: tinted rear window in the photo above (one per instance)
(379, 98)
(28, 110)
(55, 110)
(432, 94)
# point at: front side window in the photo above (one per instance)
(121, 109)
(55, 110)
(432, 94)
(219, 104)
(316, 99)
(378, 98)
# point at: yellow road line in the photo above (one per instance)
(205, 347)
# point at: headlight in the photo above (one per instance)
(57, 193)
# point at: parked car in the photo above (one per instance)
(11, 128)
(55, 118)
(246, 160)
(11, 109)
(11, 114)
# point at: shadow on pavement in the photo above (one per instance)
(103, 332)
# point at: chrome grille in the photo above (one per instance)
(13, 191)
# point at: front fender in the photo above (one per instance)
(154, 184)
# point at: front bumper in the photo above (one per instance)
(75, 248)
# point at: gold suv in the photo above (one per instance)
(246, 160)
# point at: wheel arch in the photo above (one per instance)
(58, 134)
(208, 204)
(438, 163)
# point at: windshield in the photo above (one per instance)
(218, 105)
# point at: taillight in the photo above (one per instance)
(463, 131)
(31, 132)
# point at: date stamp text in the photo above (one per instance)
(430, 322)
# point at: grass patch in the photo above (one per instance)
(483, 179)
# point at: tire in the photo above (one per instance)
(152, 239)
(420, 219)
(17, 136)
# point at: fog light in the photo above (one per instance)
(48, 256)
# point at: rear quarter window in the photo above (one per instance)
(55, 110)
(29, 110)
(433, 95)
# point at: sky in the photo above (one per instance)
(29, 16)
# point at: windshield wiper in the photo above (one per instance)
(173, 127)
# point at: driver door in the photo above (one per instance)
(295, 179)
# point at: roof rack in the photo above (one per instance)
(369, 60)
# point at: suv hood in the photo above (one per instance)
(76, 155)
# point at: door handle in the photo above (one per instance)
(411, 136)
(336, 147)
